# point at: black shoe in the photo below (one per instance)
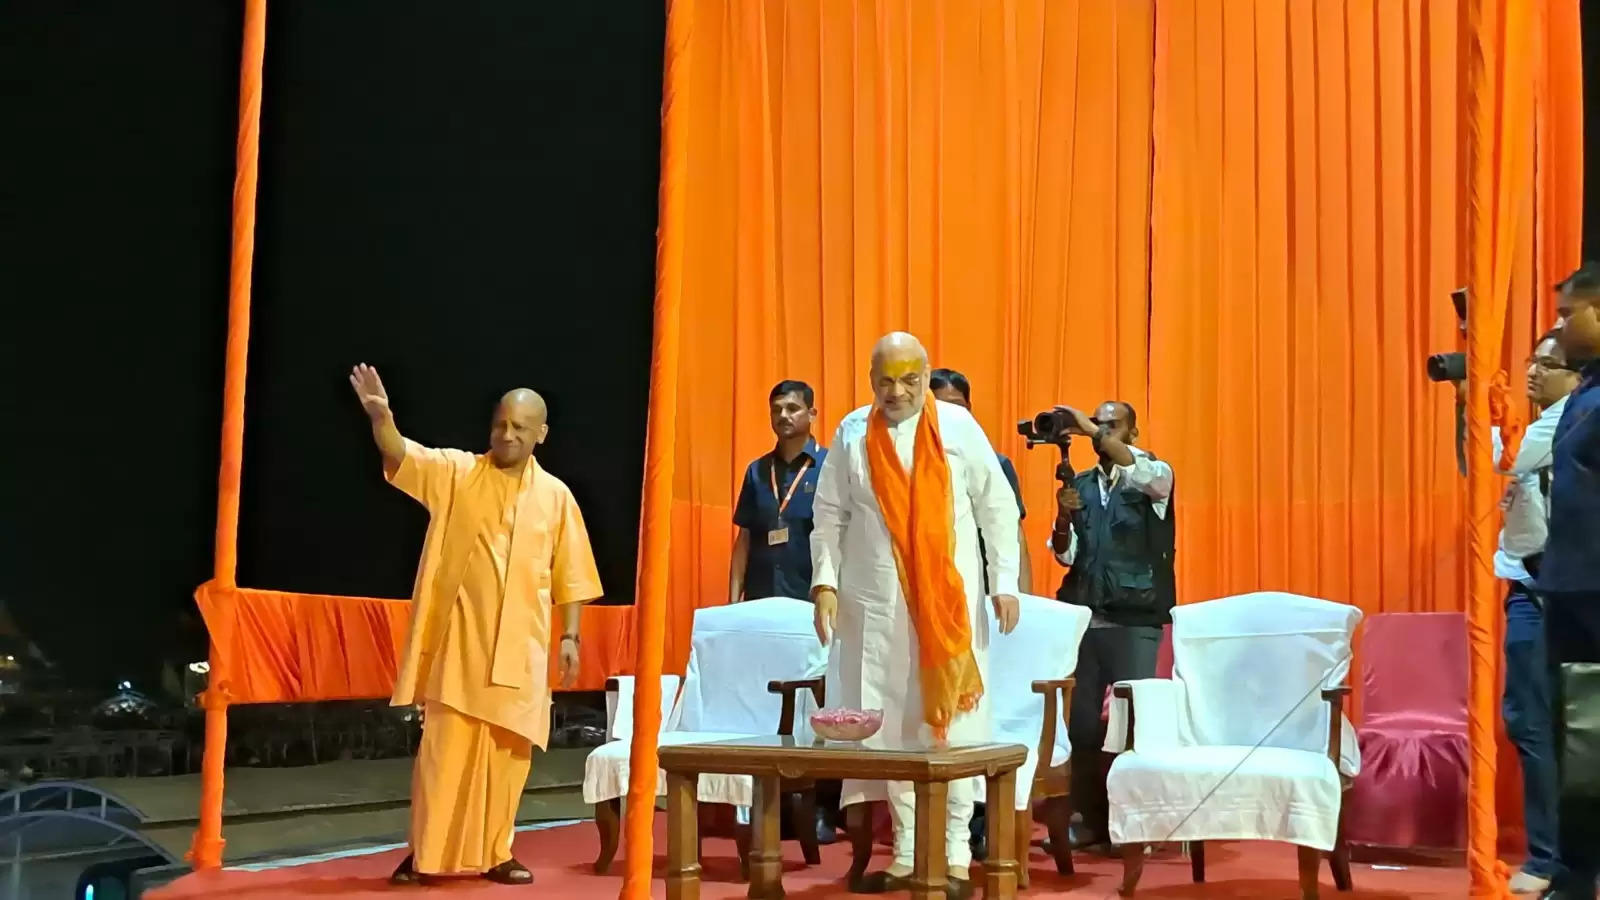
(880, 883)
(826, 833)
(959, 889)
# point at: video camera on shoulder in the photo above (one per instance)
(1451, 366)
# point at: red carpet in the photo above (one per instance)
(560, 860)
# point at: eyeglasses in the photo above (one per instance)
(1549, 365)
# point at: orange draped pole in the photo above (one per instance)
(206, 849)
(1501, 130)
(655, 520)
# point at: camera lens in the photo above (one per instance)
(1046, 424)
(1447, 367)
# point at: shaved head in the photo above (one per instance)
(518, 426)
(526, 398)
(898, 346)
(899, 375)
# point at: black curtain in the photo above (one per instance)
(461, 193)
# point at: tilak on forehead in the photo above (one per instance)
(900, 368)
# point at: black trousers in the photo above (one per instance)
(1572, 630)
(1109, 654)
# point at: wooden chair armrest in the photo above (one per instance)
(788, 689)
(1335, 697)
(1125, 692)
(1057, 692)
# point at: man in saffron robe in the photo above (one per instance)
(505, 543)
(897, 583)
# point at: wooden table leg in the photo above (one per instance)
(766, 853)
(1000, 869)
(683, 837)
(929, 868)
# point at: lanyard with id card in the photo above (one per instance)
(779, 534)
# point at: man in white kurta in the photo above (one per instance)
(861, 605)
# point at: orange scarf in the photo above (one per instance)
(919, 513)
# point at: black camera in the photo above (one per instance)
(1447, 367)
(1452, 366)
(1053, 426)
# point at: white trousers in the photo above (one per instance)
(958, 821)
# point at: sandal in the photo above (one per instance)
(509, 872)
(406, 873)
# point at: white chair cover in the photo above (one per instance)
(619, 706)
(1044, 646)
(734, 650)
(1235, 745)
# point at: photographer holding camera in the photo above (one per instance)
(1114, 530)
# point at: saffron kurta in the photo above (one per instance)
(873, 655)
(501, 550)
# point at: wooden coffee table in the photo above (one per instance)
(771, 760)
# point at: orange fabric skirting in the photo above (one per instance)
(279, 647)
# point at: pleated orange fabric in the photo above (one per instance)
(1502, 39)
(977, 173)
(1312, 191)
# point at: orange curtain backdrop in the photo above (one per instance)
(975, 172)
(1307, 231)
(1310, 216)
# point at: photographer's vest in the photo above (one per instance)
(1123, 566)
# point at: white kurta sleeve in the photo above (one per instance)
(830, 514)
(994, 506)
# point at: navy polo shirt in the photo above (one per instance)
(1570, 563)
(781, 570)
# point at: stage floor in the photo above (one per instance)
(560, 858)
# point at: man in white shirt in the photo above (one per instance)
(1527, 702)
(1114, 529)
(897, 582)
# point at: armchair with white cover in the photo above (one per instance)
(1030, 686)
(1247, 740)
(749, 664)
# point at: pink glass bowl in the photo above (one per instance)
(846, 724)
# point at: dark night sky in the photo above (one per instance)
(461, 193)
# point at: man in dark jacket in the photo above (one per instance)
(1114, 530)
